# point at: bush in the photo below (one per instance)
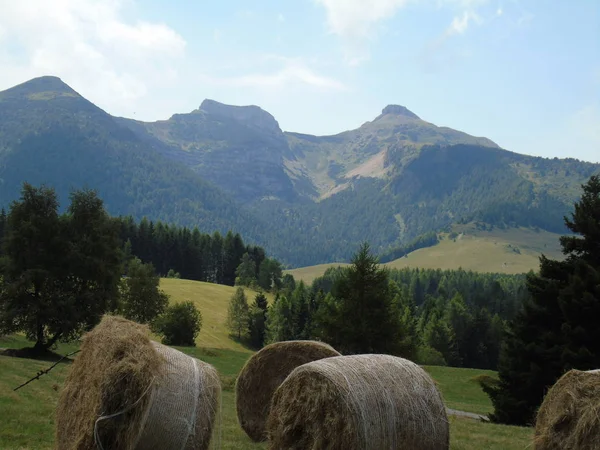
(179, 325)
(172, 274)
(428, 356)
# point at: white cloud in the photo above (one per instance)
(460, 23)
(355, 22)
(91, 46)
(291, 72)
(356, 18)
(280, 18)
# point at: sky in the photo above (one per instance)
(524, 73)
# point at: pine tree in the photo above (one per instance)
(237, 313)
(246, 271)
(300, 312)
(440, 336)
(458, 318)
(279, 320)
(362, 318)
(258, 320)
(557, 329)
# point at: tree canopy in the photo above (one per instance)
(60, 272)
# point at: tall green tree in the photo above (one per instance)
(440, 336)
(361, 317)
(142, 300)
(279, 320)
(459, 319)
(258, 320)
(270, 274)
(237, 313)
(557, 329)
(246, 271)
(61, 273)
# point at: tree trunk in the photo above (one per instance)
(54, 339)
(39, 343)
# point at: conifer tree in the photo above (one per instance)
(362, 318)
(237, 313)
(258, 320)
(279, 320)
(557, 329)
(246, 271)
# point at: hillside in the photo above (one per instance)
(510, 251)
(212, 300)
(50, 134)
(306, 199)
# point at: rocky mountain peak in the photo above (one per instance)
(250, 115)
(398, 110)
(45, 84)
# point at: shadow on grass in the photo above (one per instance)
(34, 353)
(244, 342)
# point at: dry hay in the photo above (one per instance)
(264, 372)
(127, 392)
(358, 402)
(569, 417)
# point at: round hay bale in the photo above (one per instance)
(569, 417)
(359, 401)
(263, 373)
(127, 392)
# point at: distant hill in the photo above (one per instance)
(305, 199)
(480, 249)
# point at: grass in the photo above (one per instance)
(212, 301)
(459, 388)
(28, 414)
(510, 251)
(466, 434)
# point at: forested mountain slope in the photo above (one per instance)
(306, 199)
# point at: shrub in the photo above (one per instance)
(179, 325)
(172, 274)
(428, 356)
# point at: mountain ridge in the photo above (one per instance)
(306, 199)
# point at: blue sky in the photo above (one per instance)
(524, 73)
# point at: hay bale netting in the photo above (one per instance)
(127, 392)
(263, 373)
(569, 417)
(360, 401)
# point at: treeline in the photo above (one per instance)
(425, 240)
(441, 317)
(192, 255)
(198, 256)
(61, 272)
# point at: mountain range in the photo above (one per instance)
(306, 199)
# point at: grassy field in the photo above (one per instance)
(28, 414)
(515, 250)
(212, 300)
(460, 389)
